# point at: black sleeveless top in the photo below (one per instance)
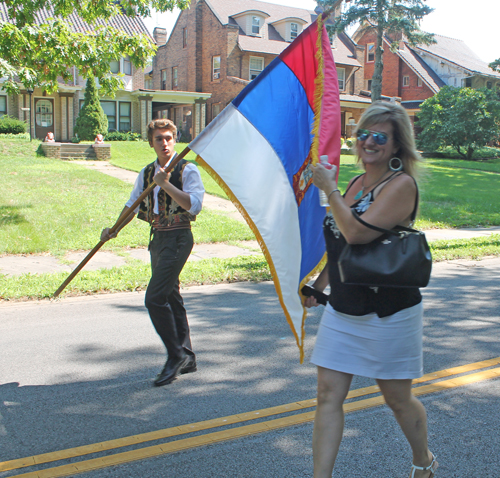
(361, 300)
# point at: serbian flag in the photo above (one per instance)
(260, 149)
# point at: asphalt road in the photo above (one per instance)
(79, 371)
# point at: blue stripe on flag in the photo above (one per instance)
(311, 216)
(276, 94)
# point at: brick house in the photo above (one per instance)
(413, 74)
(130, 110)
(219, 46)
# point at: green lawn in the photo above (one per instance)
(55, 206)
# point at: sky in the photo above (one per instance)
(474, 22)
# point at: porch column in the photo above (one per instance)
(146, 108)
(199, 117)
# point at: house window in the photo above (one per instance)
(341, 76)
(489, 85)
(216, 67)
(406, 80)
(3, 105)
(294, 31)
(369, 85)
(114, 66)
(174, 77)
(255, 25)
(215, 110)
(127, 66)
(125, 116)
(468, 82)
(420, 83)
(109, 108)
(163, 79)
(370, 52)
(184, 37)
(256, 66)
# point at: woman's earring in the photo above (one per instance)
(395, 164)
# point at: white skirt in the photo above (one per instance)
(384, 348)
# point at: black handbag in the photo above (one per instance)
(400, 257)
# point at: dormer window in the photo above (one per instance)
(289, 28)
(252, 22)
(255, 25)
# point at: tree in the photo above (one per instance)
(495, 65)
(91, 121)
(463, 118)
(388, 17)
(37, 54)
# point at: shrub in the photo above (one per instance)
(11, 125)
(122, 136)
(91, 121)
(349, 142)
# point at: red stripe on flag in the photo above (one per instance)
(299, 59)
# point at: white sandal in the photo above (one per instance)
(432, 468)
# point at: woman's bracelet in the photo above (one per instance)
(331, 192)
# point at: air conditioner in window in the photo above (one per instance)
(216, 75)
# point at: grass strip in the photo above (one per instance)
(468, 249)
(132, 278)
(254, 268)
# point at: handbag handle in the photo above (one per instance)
(381, 229)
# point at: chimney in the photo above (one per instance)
(160, 36)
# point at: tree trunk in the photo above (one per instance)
(470, 152)
(379, 61)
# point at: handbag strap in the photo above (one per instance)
(391, 231)
(375, 228)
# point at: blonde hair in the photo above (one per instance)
(161, 123)
(394, 113)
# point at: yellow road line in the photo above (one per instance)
(233, 419)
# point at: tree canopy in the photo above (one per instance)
(495, 65)
(37, 54)
(463, 118)
(387, 17)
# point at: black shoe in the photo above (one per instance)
(171, 370)
(190, 365)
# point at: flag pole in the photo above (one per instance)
(122, 219)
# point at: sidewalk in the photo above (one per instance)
(11, 265)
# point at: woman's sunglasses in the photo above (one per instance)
(379, 138)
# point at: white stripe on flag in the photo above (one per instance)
(248, 165)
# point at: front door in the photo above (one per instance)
(44, 117)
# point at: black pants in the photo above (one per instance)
(169, 252)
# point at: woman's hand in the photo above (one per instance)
(323, 178)
(310, 302)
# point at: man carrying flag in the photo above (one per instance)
(169, 209)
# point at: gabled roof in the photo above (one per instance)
(224, 9)
(128, 25)
(421, 68)
(343, 51)
(457, 52)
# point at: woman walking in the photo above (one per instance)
(370, 331)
